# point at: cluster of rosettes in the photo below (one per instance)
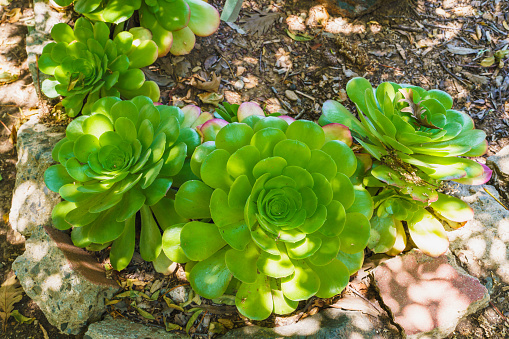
(287, 223)
(86, 65)
(417, 139)
(173, 23)
(121, 159)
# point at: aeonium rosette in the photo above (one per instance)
(119, 160)
(86, 65)
(286, 221)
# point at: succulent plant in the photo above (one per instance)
(121, 159)
(274, 213)
(85, 64)
(417, 140)
(426, 224)
(114, 11)
(414, 134)
(175, 23)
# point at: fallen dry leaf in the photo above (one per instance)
(259, 23)
(7, 77)
(477, 79)
(209, 86)
(211, 98)
(10, 293)
(461, 50)
(12, 16)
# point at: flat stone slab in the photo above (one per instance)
(111, 328)
(428, 296)
(329, 323)
(482, 245)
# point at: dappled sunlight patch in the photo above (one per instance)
(53, 282)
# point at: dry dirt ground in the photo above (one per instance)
(433, 44)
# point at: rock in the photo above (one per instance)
(428, 296)
(179, 294)
(291, 95)
(238, 85)
(354, 8)
(482, 244)
(121, 328)
(500, 163)
(67, 284)
(329, 323)
(32, 202)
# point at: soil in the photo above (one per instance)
(429, 43)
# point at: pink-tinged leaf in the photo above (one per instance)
(286, 118)
(339, 132)
(204, 19)
(162, 37)
(157, 104)
(210, 129)
(366, 160)
(203, 118)
(191, 113)
(247, 109)
(479, 180)
(183, 41)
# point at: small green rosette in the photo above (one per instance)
(86, 65)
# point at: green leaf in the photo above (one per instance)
(298, 36)
(307, 132)
(363, 202)
(255, 300)
(304, 248)
(200, 240)
(214, 170)
(150, 236)
(382, 235)
(302, 284)
(56, 176)
(296, 153)
(59, 213)
(20, 318)
(355, 235)
(171, 244)
(210, 277)
(322, 163)
(193, 199)
(352, 261)
(343, 190)
(342, 155)
(266, 139)
(333, 277)
(327, 252)
(276, 266)
(242, 162)
(336, 219)
(191, 321)
(242, 264)
(234, 136)
(122, 249)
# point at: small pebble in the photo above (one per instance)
(291, 95)
(238, 85)
(179, 294)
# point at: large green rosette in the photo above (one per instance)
(284, 213)
(120, 160)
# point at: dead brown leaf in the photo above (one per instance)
(211, 98)
(209, 86)
(10, 293)
(259, 23)
(12, 16)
